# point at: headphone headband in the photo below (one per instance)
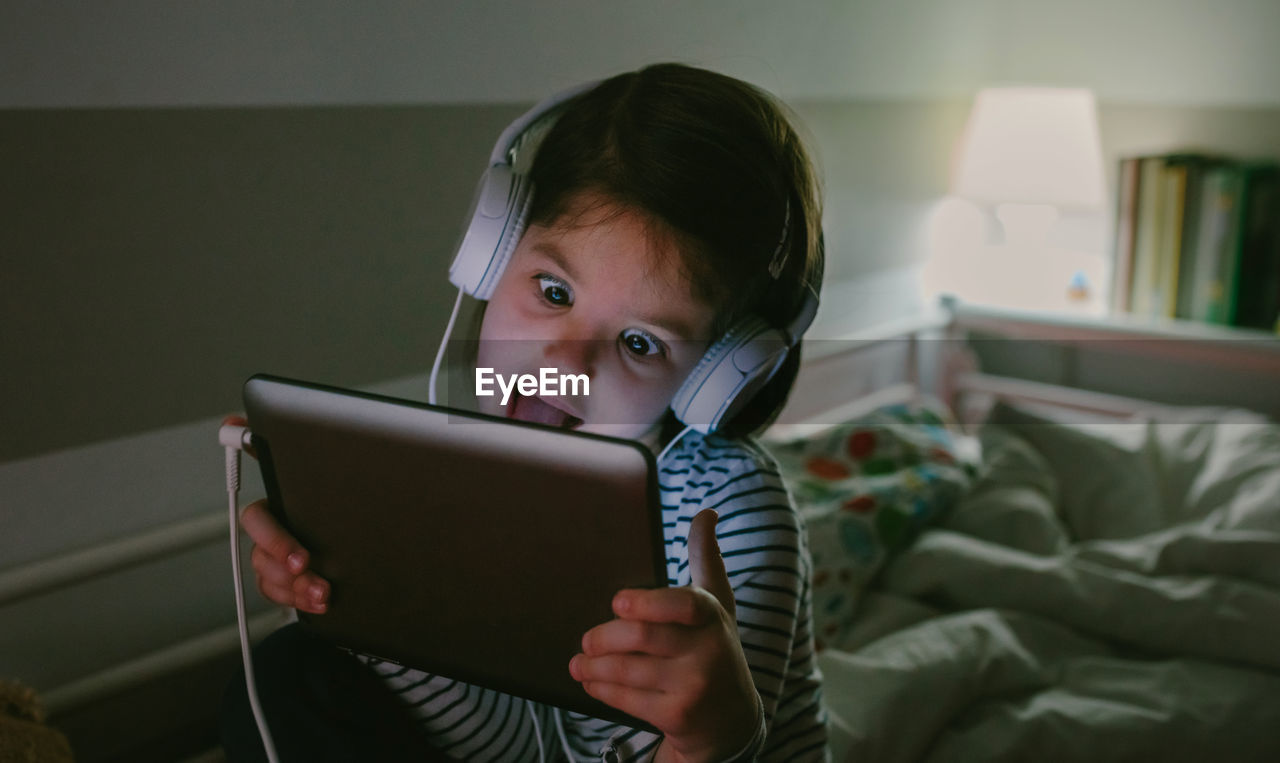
(804, 319)
(509, 140)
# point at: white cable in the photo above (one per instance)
(674, 440)
(435, 367)
(564, 743)
(537, 730)
(234, 438)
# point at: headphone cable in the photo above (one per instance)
(444, 341)
(235, 439)
(674, 440)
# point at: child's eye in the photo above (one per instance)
(554, 290)
(640, 343)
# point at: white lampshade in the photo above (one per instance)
(1032, 145)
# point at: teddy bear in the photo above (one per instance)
(24, 737)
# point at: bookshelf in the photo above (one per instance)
(1198, 239)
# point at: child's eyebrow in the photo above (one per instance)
(553, 253)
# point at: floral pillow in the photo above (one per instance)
(865, 489)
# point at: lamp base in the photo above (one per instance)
(1040, 280)
(1027, 226)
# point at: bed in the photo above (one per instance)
(1007, 567)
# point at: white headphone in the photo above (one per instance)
(730, 372)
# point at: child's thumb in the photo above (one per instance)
(706, 565)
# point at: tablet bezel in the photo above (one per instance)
(287, 413)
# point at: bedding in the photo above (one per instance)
(865, 488)
(1095, 592)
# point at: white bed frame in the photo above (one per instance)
(934, 355)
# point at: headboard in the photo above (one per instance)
(967, 356)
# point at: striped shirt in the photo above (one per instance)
(763, 543)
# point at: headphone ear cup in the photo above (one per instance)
(730, 372)
(498, 214)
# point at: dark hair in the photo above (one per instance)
(715, 161)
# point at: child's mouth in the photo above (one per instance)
(535, 410)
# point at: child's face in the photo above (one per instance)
(596, 293)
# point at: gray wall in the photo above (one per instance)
(154, 258)
(235, 52)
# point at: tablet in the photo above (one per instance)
(464, 545)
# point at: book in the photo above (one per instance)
(1188, 240)
(1122, 255)
(1198, 237)
(1173, 176)
(1214, 269)
(1258, 281)
(1147, 229)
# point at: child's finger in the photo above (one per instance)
(266, 532)
(281, 595)
(277, 572)
(308, 591)
(312, 590)
(620, 636)
(683, 606)
(285, 597)
(636, 671)
(269, 569)
(706, 565)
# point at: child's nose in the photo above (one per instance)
(571, 355)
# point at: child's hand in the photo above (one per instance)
(673, 658)
(279, 560)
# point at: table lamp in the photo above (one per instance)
(1031, 153)
(1031, 150)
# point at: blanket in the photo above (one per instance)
(1099, 592)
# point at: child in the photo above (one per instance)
(669, 204)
